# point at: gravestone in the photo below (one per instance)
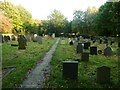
(21, 42)
(62, 41)
(71, 42)
(79, 48)
(85, 56)
(39, 39)
(53, 35)
(28, 38)
(93, 50)
(35, 38)
(107, 51)
(86, 45)
(118, 51)
(118, 44)
(100, 41)
(70, 70)
(103, 75)
(99, 51)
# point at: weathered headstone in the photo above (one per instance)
(93, 50)
(28, 38)
(21, 42)
(79, 48)
(70, 70)
(103, 75)
(108, 51)
(39, 39)
(85, 56)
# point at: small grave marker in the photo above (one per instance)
(85, 56)
(108, 51)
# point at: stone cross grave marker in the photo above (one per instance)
(70, 70)
(85, 56)
(39, 39)
(79, 48)
(21, 42)
(107, 51)
(93, 50)
(103, 75)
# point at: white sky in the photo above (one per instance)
(40, 9)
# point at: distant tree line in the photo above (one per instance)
(103, 21)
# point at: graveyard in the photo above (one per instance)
(58, 51)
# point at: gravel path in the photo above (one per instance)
(38, 75)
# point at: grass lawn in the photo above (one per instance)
(23, 60)
(86, 70)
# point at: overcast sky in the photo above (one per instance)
(40, 9)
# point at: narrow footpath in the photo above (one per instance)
(38, 75)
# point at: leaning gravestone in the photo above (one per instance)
(85, 56)
(39, 39)
(108, 51)
(28, 38)
(70, 70)
(21, 42)
(93, 50)
(79, 48)
(103, 75)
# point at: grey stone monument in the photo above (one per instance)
(28, 38)
(70, 70)
(39, 39)
(107, 51)
(103, 75)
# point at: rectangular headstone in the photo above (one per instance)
(70, 70)
(93, 50)
(103, 75)
(86, 45)
(85, 56)
(79, 48)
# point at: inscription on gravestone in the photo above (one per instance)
(103, 75)
(70, 70)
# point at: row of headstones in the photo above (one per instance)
(93, 49)
(70, 71)
(22, 41)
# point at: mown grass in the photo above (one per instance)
(86, 70)
(23, 60)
